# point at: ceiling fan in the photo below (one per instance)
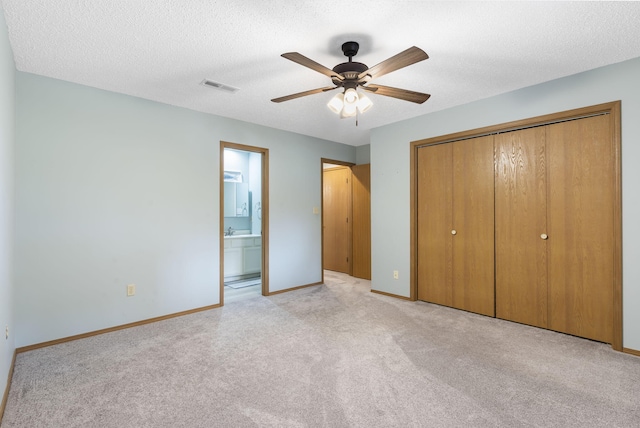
(351, 75)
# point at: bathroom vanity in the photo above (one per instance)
(242, 256)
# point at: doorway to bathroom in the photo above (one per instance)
(244, 208)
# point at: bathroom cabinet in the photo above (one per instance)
(242, 255)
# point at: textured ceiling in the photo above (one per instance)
(161, 50)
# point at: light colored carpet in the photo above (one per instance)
(334, 355)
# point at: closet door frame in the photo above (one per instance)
(613, 110)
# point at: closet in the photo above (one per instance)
(523, 223)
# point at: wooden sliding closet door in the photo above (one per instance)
(435, 217)
(521, 222)
(473, 224)
(456, 225)
(581, 227)
(555, 237)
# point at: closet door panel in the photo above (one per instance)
(473, 223)
(434, 224)
(521, 214)
(581, 228)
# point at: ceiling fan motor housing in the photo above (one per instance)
(349, 70)
(350, 49)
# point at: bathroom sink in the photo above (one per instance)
(246, 235)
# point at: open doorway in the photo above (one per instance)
(244, 208)
(346, 218)
(337, 218)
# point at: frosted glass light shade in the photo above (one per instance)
(336, 103)
(350, 96)
(364, 103)
(349, 110)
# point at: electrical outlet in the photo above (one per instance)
(395, 274)
(131, 290)
(6, 332)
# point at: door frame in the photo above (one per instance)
(264, 184)
(322, 162)
(613, 110)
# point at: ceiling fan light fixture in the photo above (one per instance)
(349, 110)
(350, 96)
(347, 104)
(336, 103)
(364, 103)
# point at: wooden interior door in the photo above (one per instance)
(521, 220)
(434, 222)
(473, 225)
(581, 227)
(361, 242)
(336, 215)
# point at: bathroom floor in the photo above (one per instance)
(244, 282)
(247, 292)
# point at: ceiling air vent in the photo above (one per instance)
(219, 86)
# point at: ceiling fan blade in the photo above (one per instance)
(303, 60)
(304, 94)
(402, 94)
(403, 59)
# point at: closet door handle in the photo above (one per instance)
(453, 232)
(544, 236)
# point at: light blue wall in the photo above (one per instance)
(363, 154)
(7, 120)
(390, 152)
(112, 190)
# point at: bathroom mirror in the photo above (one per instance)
(236, 199)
